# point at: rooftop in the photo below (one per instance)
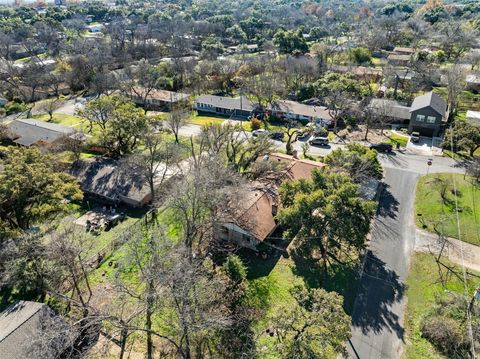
(298, 108)
(391, 108)
(237, 103)
(161, 95)
(27, 131)
(432, 100)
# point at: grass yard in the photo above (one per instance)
(435, 210)
(271, 279)
(423, 285)
(63, 119)
(206, 120)
(397, 138)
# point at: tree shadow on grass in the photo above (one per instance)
(340, 278)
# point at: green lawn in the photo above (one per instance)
(435, 210)
(396, 138)
(63, 119)
(422, 286)
(206, 120)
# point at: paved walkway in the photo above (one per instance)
(429, 242)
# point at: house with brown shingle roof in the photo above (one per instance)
(254, 219)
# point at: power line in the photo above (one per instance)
(465, 286)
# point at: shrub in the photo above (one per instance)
(13, 107)
(361, 55)
(255, 123)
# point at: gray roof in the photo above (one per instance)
(106, 178)
(32, 131)
(432, 100)
(391, 108)
(301, 109)
(23, 325)
(237, 103)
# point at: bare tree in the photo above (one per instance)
(176, 119)
(456, 84)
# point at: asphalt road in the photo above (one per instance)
(377, 318)
(378, 314)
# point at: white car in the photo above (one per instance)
(260, 132)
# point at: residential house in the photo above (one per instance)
(401, 56)
(473, 117)
(104, 179)
(96, 28)
(399, 59)
(251, 48)
(404, 50)
(238, 107)
(28, 132)
(157, 99)
(299, 112)
(395, 111)
(473, 83)
(32, 330)
(253, 220)
(428, 115)
(3, 101)
(361, 73)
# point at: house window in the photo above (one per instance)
(420, 118)
(431, 119)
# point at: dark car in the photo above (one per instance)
(276, 136)
(319, 141)
(303, 135)
(381, 147)
(113, 220)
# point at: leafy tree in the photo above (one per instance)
(235, 269)
(99, 111)
(361, 55)
(357, 161)
(125, 128)
(32, 188)
(316, 327)
(290, 42)
(326, 216)
(466, 137)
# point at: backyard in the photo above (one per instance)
(435, 206)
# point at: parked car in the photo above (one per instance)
(260, 132)
(381, 147)
(319, 141)
(276, 136)
(303, 135)
(113, 220)
(415, 137)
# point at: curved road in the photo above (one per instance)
(378, 314)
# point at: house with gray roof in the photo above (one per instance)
(238, 107)
(32, 330)
(300, 112)
(28, 132)
(427, 114)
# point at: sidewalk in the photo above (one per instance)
(428, 242)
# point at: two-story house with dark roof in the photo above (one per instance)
(428, 115)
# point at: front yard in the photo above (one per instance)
(435, 206)
(423, 287)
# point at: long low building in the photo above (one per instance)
(28, 132)
(156, 99)
(241, 107)
(300, 112)
(238, 107)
